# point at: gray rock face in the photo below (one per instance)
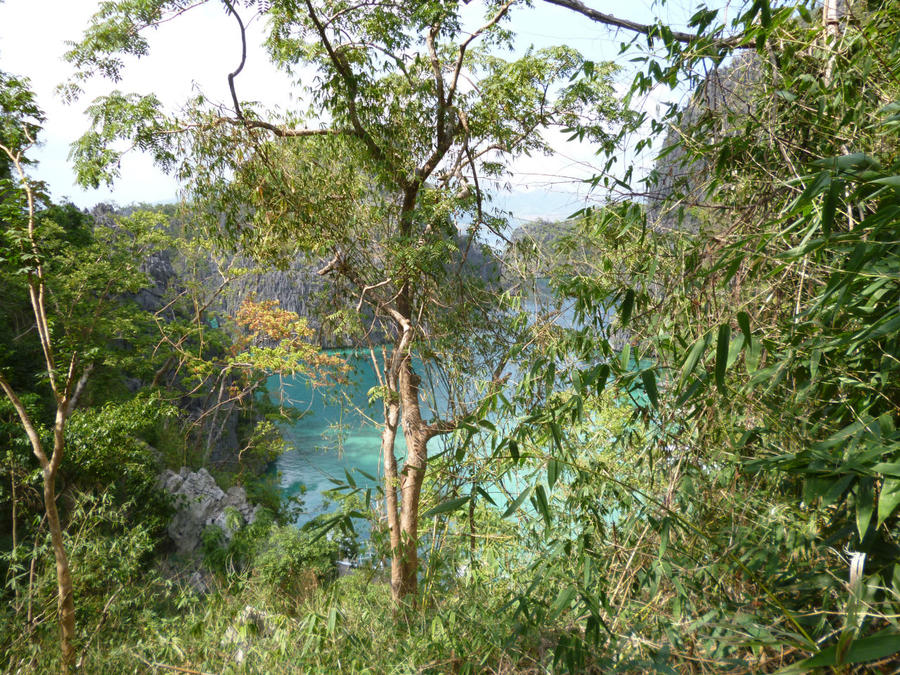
(161, 274)
(718, 108)
(201, 503)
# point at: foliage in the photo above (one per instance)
(109, 551)
(698, 473)
(278, 341)
(756, 322)
(110, 451)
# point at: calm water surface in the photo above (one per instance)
(332, 437)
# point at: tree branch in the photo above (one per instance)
(30, 429)
(346, 74)
(231, 76)
(465, 45)
(644, 29)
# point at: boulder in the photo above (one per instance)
(200, 502)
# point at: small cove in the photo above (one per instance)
(333, 437)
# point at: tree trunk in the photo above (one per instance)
(416, 435)
(391, 483)
(65, 601)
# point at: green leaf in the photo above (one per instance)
(602, 378)
(743, 320)
(540, 502)
(664, 538)
(888, 499)
(829, 206)
(817, 185)
(627, 306)
(563, 601)
(625, 357)
(553, 467)
(649, 380)
(693, 357)
(446, 507)
(487, 424)
(752, 356)
(722, 344)
(484, 493)
(814, 364)
(517, 503)
(865, 504)
(514, 450)
(893, 181)
(864, 650)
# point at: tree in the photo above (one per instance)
(74, 277)
(419, 111)
(19, 135)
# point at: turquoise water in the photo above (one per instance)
(332, 438)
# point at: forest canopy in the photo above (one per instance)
(659, 434)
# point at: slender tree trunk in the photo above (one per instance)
(833, 12)
(391, 484)
(49, 467)
(15, 534)
(66, 398)
(15, 537)
(65, 601)
(413, 475)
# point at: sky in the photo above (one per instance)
(198, 50)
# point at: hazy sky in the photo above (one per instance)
(200, 48)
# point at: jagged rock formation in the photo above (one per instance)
(200, 503)
(717, 109)
(161, 273)
(294, 288)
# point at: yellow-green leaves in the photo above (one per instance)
(888, 498)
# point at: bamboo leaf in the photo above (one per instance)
(864, 650)
(602, 378)
(540, 500)
(649, 380)
(446, 507)
(563, 601)
(517, 503)
(552, 472)
(627, 306)
(722, 345)
(693, 357)
(888, 499)
(744, 322)
(865, 505)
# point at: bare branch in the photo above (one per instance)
(465, 45)
(330, 266)
(644, 29)
(438, 82)
(231, 76)
(79, 388)
(366, 289)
